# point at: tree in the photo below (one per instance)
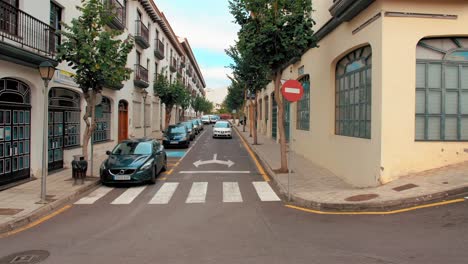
(248, 72)
(185, 102)
(170, 94)
(275, 32)
(197, 104)
(235, 96)
(96, 54)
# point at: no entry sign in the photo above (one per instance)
(292, 90)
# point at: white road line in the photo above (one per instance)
(231, 192)
(217, 172)
(197, 192)
(165, 193)
(194, 143)
(129, 195)
(95, 195)
(265, 192)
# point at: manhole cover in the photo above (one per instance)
(25, 257)
(405, 187)
(362, 197)
(9, 211)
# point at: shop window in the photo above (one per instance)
(303, 106)
(442, 90)
(353, 94)
(103, 121)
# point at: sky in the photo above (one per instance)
(208, 26)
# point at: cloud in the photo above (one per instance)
(216, 77)
(216, 95)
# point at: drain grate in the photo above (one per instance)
(25, 257)
(9, 211)
(404, 187)
(362, 197)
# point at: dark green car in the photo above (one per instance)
(134, 161)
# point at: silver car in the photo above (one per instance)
(222, 129)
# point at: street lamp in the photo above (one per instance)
(144, 93)
(47, 71)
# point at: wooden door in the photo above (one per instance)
(123, 121)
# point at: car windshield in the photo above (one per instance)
(133, 148)
(176, 130)
(195, 122)
(222, 125)
(188, 124)
(205, 118)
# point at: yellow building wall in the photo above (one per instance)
(392, 151)
(400, 153)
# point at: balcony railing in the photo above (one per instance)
(173, 66)
(20, 28)
(118, 14)
(158, 49)
(141, 76)
(142, 34)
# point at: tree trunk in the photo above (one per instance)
(254, 119)
(182, 115)
(168, 115)
(282, 133)
(251, 119)
(90, 113)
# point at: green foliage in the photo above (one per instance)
(273, 32)
(170, 93)
(201, 104)
(94, 51)
(235, 97)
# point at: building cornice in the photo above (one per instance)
(193, 60)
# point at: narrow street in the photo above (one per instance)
(226, 213)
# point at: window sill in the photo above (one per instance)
(73, 147)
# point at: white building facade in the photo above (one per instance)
(27, 38)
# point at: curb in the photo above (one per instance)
(384, 206)
(45, 210)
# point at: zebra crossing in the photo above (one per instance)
(196, 195)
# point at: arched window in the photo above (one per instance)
(303, 105)
(442, 89)
(13, 91)
(103, 120)
(353, 94)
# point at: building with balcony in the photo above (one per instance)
(28, 36)
(385, 93)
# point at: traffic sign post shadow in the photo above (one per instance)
(292, 91)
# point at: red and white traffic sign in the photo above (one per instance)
(292, 90)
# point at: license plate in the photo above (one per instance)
(174, 142)
(122, 177)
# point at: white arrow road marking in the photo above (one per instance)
(292, 90)
(265, 192)
(165, 193)
(215, 160)
(129, 195)
(95, 195)
(231, 192)
(197, 193)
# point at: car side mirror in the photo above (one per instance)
(108, 153)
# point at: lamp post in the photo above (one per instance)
(144, 93)
(47, 71)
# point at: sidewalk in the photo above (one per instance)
(317, 188)
(19, 207)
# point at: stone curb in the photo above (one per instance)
(46, 209)
(383, 206)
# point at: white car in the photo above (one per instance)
(222, 129)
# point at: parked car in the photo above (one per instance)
(214, 119)
(200, 123)
(206, 119)
(196, 126)
(222, 129)
(134, 161)
(176, 136)
(190, 128)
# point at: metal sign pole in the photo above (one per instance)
(289, 154)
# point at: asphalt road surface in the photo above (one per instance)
(214, 213)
